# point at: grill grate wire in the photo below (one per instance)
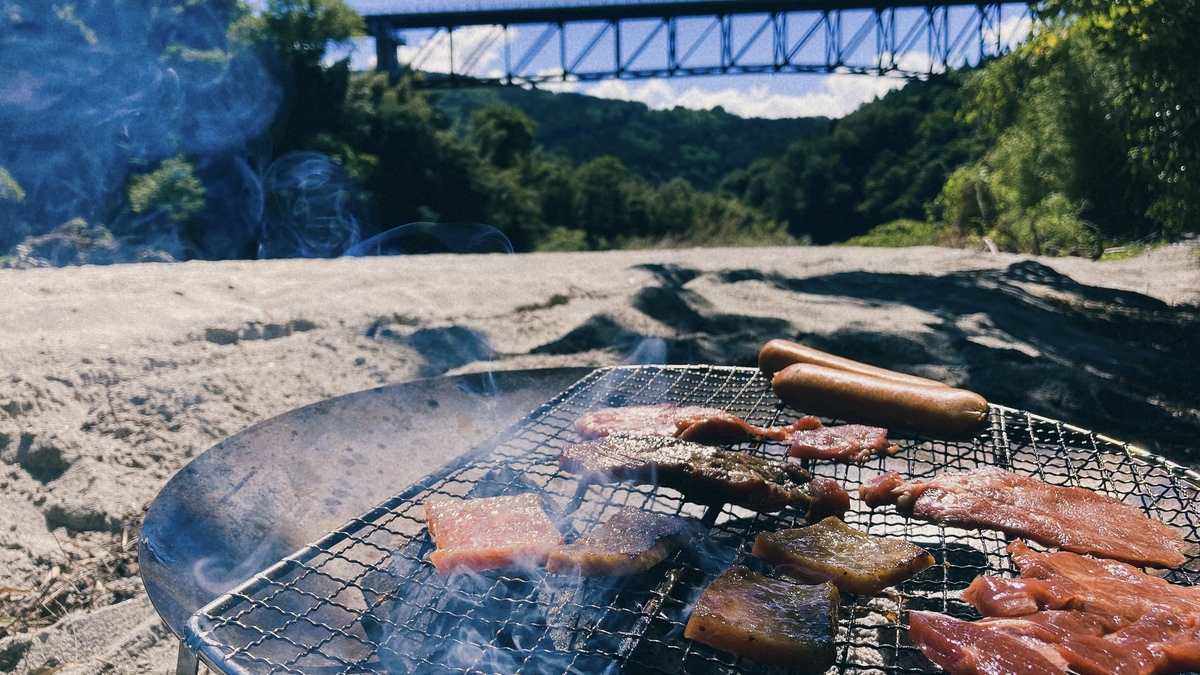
(365, 599)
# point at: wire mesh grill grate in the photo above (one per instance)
(365, 599)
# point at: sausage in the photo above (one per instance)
(942, 412)
(778, 354)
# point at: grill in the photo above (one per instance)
(365, 599)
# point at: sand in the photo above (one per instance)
(115, 377)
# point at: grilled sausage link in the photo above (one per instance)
(779, 354)
(941, 412)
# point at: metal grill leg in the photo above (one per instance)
(186, 663)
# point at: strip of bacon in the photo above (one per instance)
(1071, 518)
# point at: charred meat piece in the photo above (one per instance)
(1071, 518)
(1076, 613)
(691, 423)
(631, 541)
(775, 621)
(852, 560)
(851, 443)
(703, 473)
(489, 533)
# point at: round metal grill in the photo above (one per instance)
(365, 598)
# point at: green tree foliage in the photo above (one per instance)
(659, 145)
(885, 161)
(172, 188)
(503, 134)
(1149, 46)
(1095, 121)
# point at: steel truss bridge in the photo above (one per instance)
(539, 41)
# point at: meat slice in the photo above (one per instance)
(489, 533)
(852, 560)
(967, 648)
(1114, 592)
(692, 423)
(1082, 615)
(1071, 518)
(851, 443)
(703, 473)
(775, 621)
(632, 541)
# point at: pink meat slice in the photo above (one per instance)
(472, 535)
(1071, 518)
(967, 648)
(1079, 614)
(851, 443)
(690, 423)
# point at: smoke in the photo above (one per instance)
(434, 238)
(93, 91)
(137, 131)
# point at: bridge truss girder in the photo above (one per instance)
(912, 42)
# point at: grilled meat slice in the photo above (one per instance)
(852, 560)
(489, 533)
(775, 621)
(691, 423)
(703, 473)
(1071, 518)
(850, 443)
(629, 542)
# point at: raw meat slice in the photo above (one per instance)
(1071, 518)
(1084, 616)
(775, 621)
(703, 473)
(966, 648)
(632, 541)
(851, 443)
(489, 533)
(699, 424)
(852, 560)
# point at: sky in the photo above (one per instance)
(772, 96)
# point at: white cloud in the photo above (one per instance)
(829, 95)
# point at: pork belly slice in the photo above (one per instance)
(631, 541)
(699, 424)
(850, 443)
(774, 621)
(472, 535)
(1073, 519)
(852, 560)
(1079, 614)
(705, 474)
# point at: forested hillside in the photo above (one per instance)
(886, 161)
(701, 147)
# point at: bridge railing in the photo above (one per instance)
(583, 44)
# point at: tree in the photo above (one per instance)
(1150, 46)
(502, 133)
